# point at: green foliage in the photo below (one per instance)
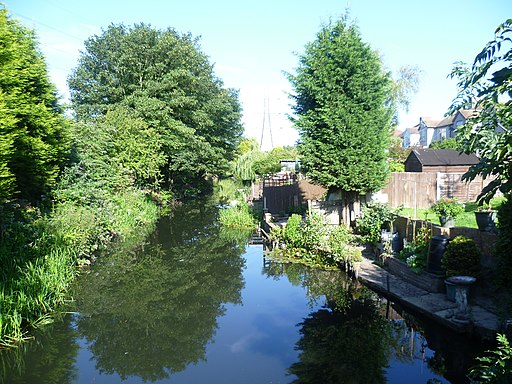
(342, 110)
(39, 251)
(461, 258)
(486, 86)
(125, 151)
(451, 143)
(338, 238)
(253, 163)
(171, 86)
(397, 156)
(404, 87)
(227, 190)
(238, 216)
(396, 166)
(314, 232)
(496, 366)
(315, 243)
(374, 218)
(415, 253)
(504, 245)
(244, 166)
(448, 207)
(270, 162)
(292, 232)
(33, 132)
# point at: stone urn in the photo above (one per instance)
(458, 283)
(485, 220)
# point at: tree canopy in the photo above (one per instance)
(33, 132)
(343, 110)
(163, 78)
(486, 85)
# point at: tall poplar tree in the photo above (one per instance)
(343, 110)
(33, 132)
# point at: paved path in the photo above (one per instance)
(434, 305)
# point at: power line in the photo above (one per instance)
(77, 15)
(48, 26)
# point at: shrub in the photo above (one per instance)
(374, 218)
(314, 232)
(292, 232)
(447, 207)
(337, 239)
(461, 257)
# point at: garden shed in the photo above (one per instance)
(439, 160)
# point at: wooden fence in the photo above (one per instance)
(421, 190)
(281, 194)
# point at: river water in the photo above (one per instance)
(196, 304)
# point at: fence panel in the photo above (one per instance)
(411, 189)
(421, 190)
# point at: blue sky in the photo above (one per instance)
(251, 43)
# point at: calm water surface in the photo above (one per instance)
(198, 305)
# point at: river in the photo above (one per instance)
(197, 304)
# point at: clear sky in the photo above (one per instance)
(251, 43)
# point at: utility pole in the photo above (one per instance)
(266, 120)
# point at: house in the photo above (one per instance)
(439, 160)
(411, 137)
(434, 130)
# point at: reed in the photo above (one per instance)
(39, 255)
(237, 216)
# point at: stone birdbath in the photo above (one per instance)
(461, 285)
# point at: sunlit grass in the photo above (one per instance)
(466, 219)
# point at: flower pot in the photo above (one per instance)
(485, 220)
(447, 221)
(458, 282)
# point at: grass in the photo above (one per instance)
(466, 219)
(39, 254)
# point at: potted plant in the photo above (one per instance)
(485, 218)
(355, 259)
(447, 209)
(461, 262)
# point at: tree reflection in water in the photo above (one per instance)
(347, 340)
(56, 343)
(150, 314)
(356, 337)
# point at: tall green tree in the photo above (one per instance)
(343, 111)
(486, 85)
(167, 81)
(33, 132)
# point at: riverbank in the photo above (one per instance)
(40, 252)
(423, 295)
(483, 321)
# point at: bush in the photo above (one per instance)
(314, 232)
(337, 239)
(447, 207)
(374, 218)
(462, 257)
(292, 232)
